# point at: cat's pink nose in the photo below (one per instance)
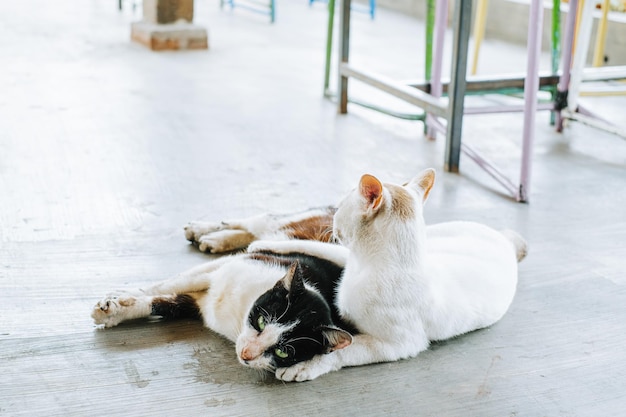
(246, 355)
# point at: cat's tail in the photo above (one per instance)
(521, 247)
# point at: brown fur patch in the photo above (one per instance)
(313, 228)
(402, 202)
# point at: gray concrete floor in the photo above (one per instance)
(108, 149)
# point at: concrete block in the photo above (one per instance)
(173, 36)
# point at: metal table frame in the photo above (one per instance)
(567, 100)
(447, 116)
(453, 110)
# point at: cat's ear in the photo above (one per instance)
(336, 338)
(292, 281)
(372, 190)
(423, 183)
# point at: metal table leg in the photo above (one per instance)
(580, 54)
(461, 22)
(555, 49)
(434, 73)
(531, 88)
(345, 54)
(568, 42)
(329, 46)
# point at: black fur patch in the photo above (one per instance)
(312, 311)
(176, 307)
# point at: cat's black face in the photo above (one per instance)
(288, 324)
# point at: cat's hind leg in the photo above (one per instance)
(115, 309)
(226, 236)
(218, 237)
(196, 279)
(140, 303)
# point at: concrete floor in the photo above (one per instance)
(108, 149)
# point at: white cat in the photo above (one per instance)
(406, 284)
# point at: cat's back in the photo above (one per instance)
(470, 251)
(473, 272)
(464, 238)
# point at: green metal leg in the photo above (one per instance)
(344, 54)
(329, 46)
(430, 25)
(428, 59)
(556, 49)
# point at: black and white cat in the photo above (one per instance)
(290, 308)
(279, 309)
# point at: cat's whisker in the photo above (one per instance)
(286, 309)
(302, 338)
(328, 235)
(290, 349)
(266, 313)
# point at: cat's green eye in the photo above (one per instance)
(280, 353)
(261, 323)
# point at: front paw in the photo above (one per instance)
(262, 246)
(303, 371)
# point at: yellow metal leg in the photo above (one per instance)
(579, 15)
(598, 53)
(479, 31)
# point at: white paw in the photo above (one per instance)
(110, 310)
(195, 230)
(217, 237)
(224, 241)
(303, 371)
(261, 245)
(277, 246)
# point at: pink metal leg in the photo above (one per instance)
(436, 89)
(568, 42)
(531, 88)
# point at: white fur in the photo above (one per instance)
(225, 290)
(405, 285)
(334, 253)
